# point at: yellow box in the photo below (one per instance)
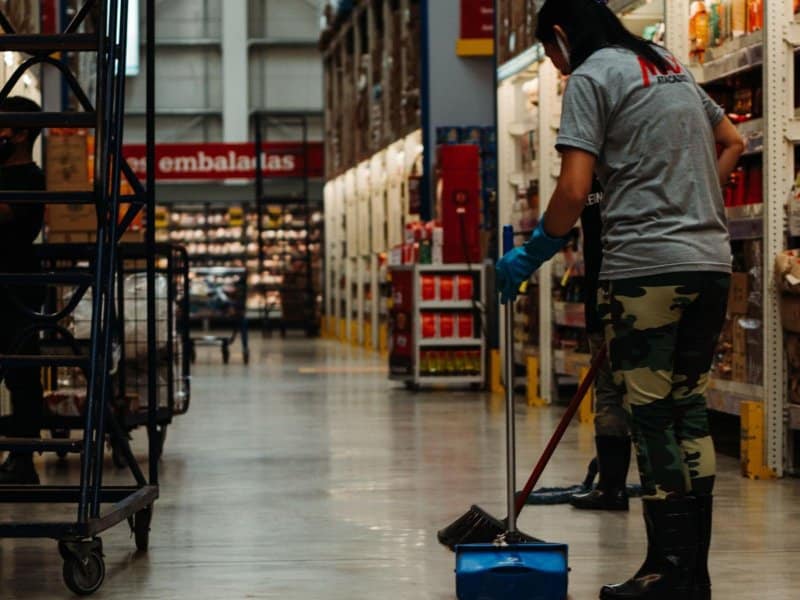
(532, 365)
(753, 442)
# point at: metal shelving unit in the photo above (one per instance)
(411, 364)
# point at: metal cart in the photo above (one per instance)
(78, 540)
(219, 294)
(66, 389)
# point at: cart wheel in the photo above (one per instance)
(193, 354)
(84, 576)
(412, 386)
(141, 528)
(162, 439)
(117, 457)
(246, 356)
(60, 434)
(226, 354)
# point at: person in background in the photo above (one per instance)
(20, 225)
(611, 422)
(634, 116)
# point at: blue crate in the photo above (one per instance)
(489, 137)
(472, 134)
(517, 572)
(448, 135)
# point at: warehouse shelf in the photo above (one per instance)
(734, 56)
(521, 62)
(450, 342)
(726, 396)
(447, 305)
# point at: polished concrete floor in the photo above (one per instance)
(308, 476)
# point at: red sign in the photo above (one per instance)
(477, 19)
(185, 162)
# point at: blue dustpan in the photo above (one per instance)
(516, 572)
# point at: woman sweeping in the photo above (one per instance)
(634, 116)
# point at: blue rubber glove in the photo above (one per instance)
(517, 266)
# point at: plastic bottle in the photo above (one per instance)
(738, 17)
(700, 28)
(715, 23)
(755, 15)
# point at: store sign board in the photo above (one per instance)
(477, 19)
(192, 162)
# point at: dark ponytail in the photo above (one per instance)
(590, 25)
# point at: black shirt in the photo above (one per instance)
(592, 226)
(17, 235)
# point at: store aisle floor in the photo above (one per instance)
(308, 476)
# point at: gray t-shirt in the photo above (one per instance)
(653, 137)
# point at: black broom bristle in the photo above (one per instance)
(477, 526)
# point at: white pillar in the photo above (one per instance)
(235, 76)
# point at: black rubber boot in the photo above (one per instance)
(702, 579)
(613, 458)
(18, 469)
(668, 571)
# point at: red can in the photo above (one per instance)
(428, 284)
(447, 325)
(466, 326)
(466, 287)
(446, 287)
(428, 325)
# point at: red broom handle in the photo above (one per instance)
(574, 404)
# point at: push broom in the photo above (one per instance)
(477, 526)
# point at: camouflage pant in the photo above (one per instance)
(662, 332)
(610, 417)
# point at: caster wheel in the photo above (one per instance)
(246, 357)
(141, 528)
(117, 457)
(60, 434)
(226, 355)
(162, 440)
(412, 387)
(84, 577)
(193, 354)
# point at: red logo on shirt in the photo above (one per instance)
(674, 68)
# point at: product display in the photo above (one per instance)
(436, 324)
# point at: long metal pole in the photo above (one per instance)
(150, 134)
(508, 376)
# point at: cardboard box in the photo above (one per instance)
(67, 163)
(790, 313)
(739, 294)
(70, 237)
(84, 237)
(71, 218)
(739, 367)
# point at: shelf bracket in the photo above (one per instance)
(793, 131)
(792, 33)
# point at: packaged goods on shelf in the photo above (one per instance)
(714, 23)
